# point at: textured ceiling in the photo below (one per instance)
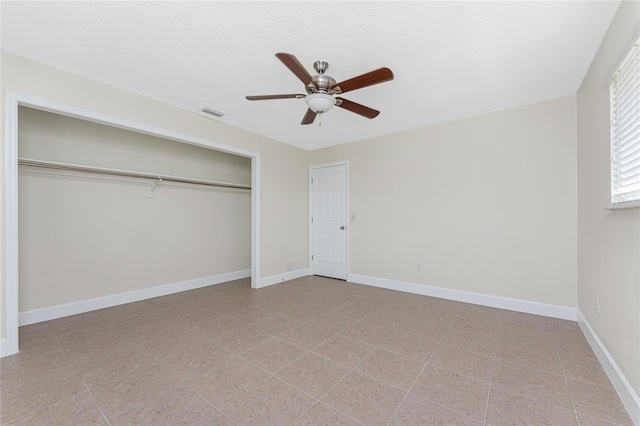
(450, 59)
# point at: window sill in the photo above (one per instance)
(625, 205)
(629, 209)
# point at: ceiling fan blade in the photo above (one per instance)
(357, 108)
(296, 67)
(265, 97)
(309, 117)
(369, 79)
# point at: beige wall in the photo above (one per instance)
(284, 198)
(608, 241)
(487, 204)
(84, 236)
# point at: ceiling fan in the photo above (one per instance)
(321, 88)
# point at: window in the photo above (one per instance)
(625, 130)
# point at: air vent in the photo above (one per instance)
(212, 112)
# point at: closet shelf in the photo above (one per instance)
(125, 173)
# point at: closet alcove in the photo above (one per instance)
(105, 211)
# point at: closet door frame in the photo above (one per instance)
(13, 100)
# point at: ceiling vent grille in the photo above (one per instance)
(212, 112)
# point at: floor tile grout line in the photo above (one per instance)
(261, 368)
(146, 398)
(599, 386)
(205, 342)
(334, 385)
(269, 374)
(493, 367)
(333, 408)
(96, 311)
(213, 414)
(563, 375)
(273, 376)
(471, 377)
(377, 346)
(71, 360)
(475, 379)
(424, 366)
(256, 346)
(227, 402)
(351, 369)
(219, 409)
(319, 399)
(319, 344)
(566, 382)
(13, 420)
(267, 371)
(105, 317)
(96, 402)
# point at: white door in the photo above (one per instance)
(329, 221)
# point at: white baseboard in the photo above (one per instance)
(629, 397)
(3, 346)
(280, 278)
(553, 311)
(73, 308)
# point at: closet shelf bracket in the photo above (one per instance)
(152, 187)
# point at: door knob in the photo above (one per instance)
(342, 227)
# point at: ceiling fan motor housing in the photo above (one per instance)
(321, 83)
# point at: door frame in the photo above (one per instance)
(13, 100)
(347, 217)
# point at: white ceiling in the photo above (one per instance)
(450, 59)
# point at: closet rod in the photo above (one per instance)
(125, 173)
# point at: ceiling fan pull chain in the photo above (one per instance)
(319, 120)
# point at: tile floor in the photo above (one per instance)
(309, 351)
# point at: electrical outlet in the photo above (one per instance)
(353, 217)
(418, 267)
(598, 305)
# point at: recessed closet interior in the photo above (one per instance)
(86, 235)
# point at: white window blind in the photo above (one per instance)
(625, 130)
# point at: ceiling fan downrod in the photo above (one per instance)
(321, 66)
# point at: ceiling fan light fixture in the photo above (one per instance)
(320, 102)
